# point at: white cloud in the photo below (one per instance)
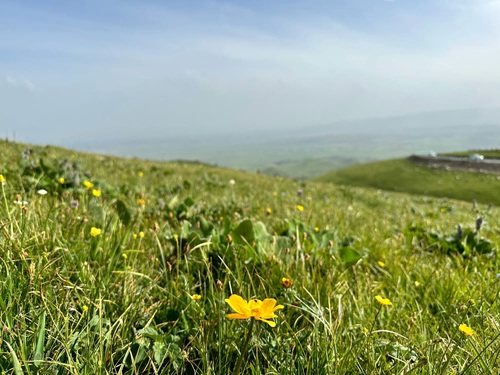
(24, 83)
(11, 81)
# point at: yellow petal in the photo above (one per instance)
(254, 304)
(269, 306)
(237, 316)
(239, 305)
(383, 301)
(270, 322)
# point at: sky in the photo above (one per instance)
(123, 69)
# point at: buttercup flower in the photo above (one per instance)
(88, 184)
(61, 180)
(141, 202)
(383, 301)
(96, 192)
(381, 264)
(140, 174)
(2, 179)
(257, 309)
(269, 211)
(196, 297)
(300, 207)
(94, 232)
(287, 283)
(467, 331)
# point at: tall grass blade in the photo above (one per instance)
(15, 361)
(40, 341)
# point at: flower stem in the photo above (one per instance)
(236, 370)
(375, 320)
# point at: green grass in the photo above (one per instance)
(120, 302)
(402, 175)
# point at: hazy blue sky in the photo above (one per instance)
(124, 69)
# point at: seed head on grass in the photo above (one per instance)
(255, 308)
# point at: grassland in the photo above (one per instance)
(130, 275)
(402, 175)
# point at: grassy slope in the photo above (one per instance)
(403, 176)
(124, 302)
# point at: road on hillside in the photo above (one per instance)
(458, 163)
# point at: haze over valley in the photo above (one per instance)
(289, 88)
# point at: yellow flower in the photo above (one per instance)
(269, 211)
(467, 331)
(383, 301)
(381, 264)
(94, 232)
(85, 308)
(88, 184)
(287, 283)
(124, 256)
(141, 234)
(257, 309)
(316, 229)
(300, 207)
(96, 193)
(61, 180)
(135, 236)
(140, 174)
(196, 297)
(141, 202)
(2, 179)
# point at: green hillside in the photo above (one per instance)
(402, 175)
(125, 266)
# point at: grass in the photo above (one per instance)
(402, 175)
(122, 302)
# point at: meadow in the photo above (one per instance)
(125, 266)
